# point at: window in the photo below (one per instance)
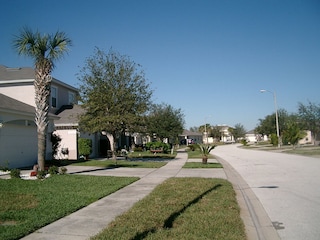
(71, 98)
(54, 94)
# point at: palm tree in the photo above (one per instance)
(44, 49)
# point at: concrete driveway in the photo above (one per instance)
(288, 187)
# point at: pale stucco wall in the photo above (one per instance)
(23, 94)
(69, 141)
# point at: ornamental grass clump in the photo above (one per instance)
(205, 150)
(15, 173)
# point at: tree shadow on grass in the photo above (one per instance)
(110, 167)
(168, 223)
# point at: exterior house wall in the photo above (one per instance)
(63, 92)
(17, 83)
(226, 136)
(188, 137)
(307, 139)
(18, 138)
(251, 138)
(69, 138)
(22, 93)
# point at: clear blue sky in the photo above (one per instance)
(208, 57)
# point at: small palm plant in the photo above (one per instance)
(205, 150)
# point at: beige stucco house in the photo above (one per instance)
(189, 137)
(18, 133)
(18, 138)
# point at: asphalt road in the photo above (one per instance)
(288, 187)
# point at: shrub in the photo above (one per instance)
(6, 167)
(63, 170)
(41, 174)
(138, 149)
(158, 145)
(244, 142)
(85, 146)
(15, 173)
(192, 147)
(53, 170)
(274, 139)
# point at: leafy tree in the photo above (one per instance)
(310, 118)
(165, 122)
(205, 128)
(292, 134)
(238, 131)
(115, 95)
(267, 126)
(194, 129)
(215, 132)
(45, 50)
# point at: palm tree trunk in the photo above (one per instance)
(42, 93)
(41, 150)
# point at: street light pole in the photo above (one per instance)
(276, 109)
(205, 129)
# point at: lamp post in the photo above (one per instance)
(205, 132)
(205, 129)
(276, 109)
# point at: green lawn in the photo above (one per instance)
(201, 165)
(197, 154)
(149, 155)
(182, 208)
(27, 205)
(122, 163)
(305, 151)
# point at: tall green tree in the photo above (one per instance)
(309, 115)
(165, 122)
(215, 132)
(238, 131)
(267, 125)
(114, 94)
(292, 134)
(44, 50)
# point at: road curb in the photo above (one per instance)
(257, 222)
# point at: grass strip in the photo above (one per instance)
(149, 155)
(27, 205)
(197, 154)
(305, 152)
(201, 165)
(121, 163)
(182, 208)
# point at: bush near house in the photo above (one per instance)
(84, 147)
(157, 146)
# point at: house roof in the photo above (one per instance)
(24, 75)
(7, 73)
(189, 133)
(69, 115)
(250, 132)
(12, 105)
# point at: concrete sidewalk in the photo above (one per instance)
(92, 219)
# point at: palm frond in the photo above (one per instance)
(206, 148)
